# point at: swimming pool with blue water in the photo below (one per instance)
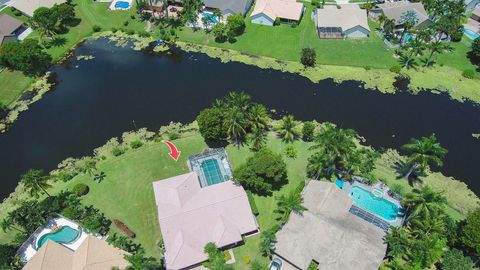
(64, 235)
(470, 34)
(122, 4)
(378, 206)
(210, 17)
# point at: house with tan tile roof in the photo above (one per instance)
(10, 28)
(27, 7)
(348, 21)
(396, 10)
(192, 216)
(267, 11)
(93, 254)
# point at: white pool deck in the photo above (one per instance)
(112, 5)
(30, 250)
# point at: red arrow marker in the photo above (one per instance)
(174, 153)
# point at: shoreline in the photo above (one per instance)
(435, 80)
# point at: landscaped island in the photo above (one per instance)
(272, 161)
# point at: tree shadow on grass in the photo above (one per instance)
(402, 168)
(58, 41)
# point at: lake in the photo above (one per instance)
(122, 89)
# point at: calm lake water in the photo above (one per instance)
(99, 99)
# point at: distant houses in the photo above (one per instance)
(397, 10)
(471, 4)
(229, 7)
(27, 7)
(266, 12)
(10, 28)
(348, 21)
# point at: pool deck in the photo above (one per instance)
(347, 187)
(27, 250)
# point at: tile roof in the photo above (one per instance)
(284, 9)
(347, 17)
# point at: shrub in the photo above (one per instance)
(172, 135)
(125, 23)
(456, 36)
(210, 123)
(236, 24)
(291, 151)
(96, 28)
(277, 21)
(468, 73)
(455, 260)
(395, 69)
(475, 52)
(117, 151)
(136, 144)
(246, 260)
(262, 173)
(469, 232)
(367, 67)
(143, 33)
(132, 16)
(308, 57)
(129, 32)
(313, 265)
(228, 257)
(122, 227)
(80, 190)
(114, 30)
(308, 131)
(253, 205)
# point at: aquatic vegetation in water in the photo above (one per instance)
(85, 57)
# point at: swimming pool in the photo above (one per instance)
(212, 172)
(470, 34)
(64, 235)
(122, 4)
(378, 206)
(210, 16)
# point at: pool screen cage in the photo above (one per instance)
(195, 164)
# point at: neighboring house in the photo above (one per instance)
(229, 7)
(347, 22)
(27, 7)
(92, 254)
(395, 11)
(471, 4)
(192, 216)
(10, 28)
(267, 11)
(329, 234)
(476, 14)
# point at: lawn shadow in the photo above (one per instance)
(58, 41)
(402, 168)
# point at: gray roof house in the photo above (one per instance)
(329, 234)
(229, 7)
(10, 28)
(395, 11)
(471, 4)
(27, 7)
(349, 21)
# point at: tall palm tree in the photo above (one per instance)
(382, 19)
(258, 138)
(321, 164)
(416, 47)
(424, 151)
(89, 166)
(35, 182)
(8, 224)
(388, 28)
(288, 129)
(235, 123)
(258, 116)
(423, 203)
(435, 47)
(267, 243)
(288, 204)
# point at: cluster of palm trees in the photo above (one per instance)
(337, 153)
(421, 242)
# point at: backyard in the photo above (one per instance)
(126, 193)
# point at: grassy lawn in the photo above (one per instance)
(12, 85)
(285, 42)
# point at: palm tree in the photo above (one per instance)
(416, 47)
(388, 28)
(267, 243)
(98, 177)
(423, 203)
(435, 47)
(382, 19)
(424, 151)
(35, 181)
(89, 166)
(407, 61)
(258, 138)
(218, 13)
(138, 261)
(287, 129)
(235, 122)
(8, 224)
(320, 165)
(258, 116)
(288, 204)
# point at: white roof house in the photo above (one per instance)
(329, 234)
(27, 7)
(349, 21)
(192, 216)
(266, 11)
